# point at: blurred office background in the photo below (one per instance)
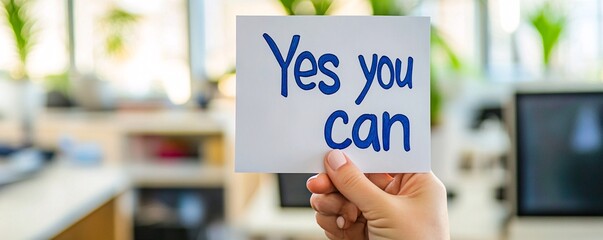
(117, 119)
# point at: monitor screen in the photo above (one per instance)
(292, 189)
(559, 154)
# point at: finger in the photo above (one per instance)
(352, 183)
(380, 179)
(333, 231)
(320, 184)
(327, 204)
(334, 204)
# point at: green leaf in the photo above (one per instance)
(437, 41)
(435, 98)
(21, 24)
(550, 23)
(387, 8)
(118, 24)
(322, 6)
(288, 5)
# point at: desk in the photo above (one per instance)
(55, 202)
(121, 137)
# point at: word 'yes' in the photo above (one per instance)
(298, 73)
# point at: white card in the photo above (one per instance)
(302, 90)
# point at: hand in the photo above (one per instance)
(352, 205)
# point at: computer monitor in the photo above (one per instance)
(292, 189)
(558, 153)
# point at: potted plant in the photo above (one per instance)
(21, 25)
(118, 24)
(58, 93)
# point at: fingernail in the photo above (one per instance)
(311, 178)
(336, 159)
(340, 222)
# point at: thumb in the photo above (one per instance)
(352, 183)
